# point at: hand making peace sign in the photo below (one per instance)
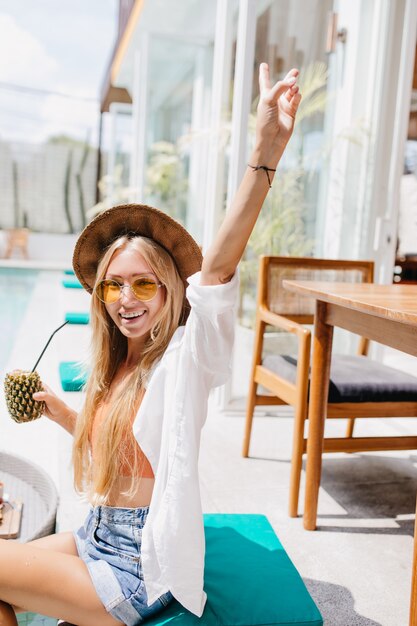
(276, 113)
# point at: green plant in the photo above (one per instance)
(77, 152)
(67, 192)
(79, 180)
(16, 203)
(112, 192)
(166, 179)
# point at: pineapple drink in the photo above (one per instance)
(19, 387)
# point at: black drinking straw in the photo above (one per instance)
(47, 344)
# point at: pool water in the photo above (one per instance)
(16, 286)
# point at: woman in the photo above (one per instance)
(157, 352)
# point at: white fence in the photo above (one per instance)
(46, 187)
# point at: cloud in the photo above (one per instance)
(71, 117)
(25, 60)
(35, 117)
(26, 63)
(48, 49)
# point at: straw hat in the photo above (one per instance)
(133, 220)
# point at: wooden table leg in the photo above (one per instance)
(413, 603)
(319, 390)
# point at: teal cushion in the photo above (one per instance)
(69, 272)
(77, 318)
(34, 619)
(72, 376)
(71, 283)
(249, 579)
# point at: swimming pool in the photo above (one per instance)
(16, 290)
(16, 286)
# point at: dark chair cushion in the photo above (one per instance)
(354, 379)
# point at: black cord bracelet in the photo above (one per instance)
(266, 170)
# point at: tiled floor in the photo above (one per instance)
(357, 565)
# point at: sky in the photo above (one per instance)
(61, 46)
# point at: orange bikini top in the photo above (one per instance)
(145, 468)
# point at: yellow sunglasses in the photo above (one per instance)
(143, 288)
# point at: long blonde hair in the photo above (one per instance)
(108, 351)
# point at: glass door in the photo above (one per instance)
(286, 35)
(288, 224)
(336, 189)
(172, 86)
(370, 78)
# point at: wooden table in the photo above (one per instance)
(384, 313)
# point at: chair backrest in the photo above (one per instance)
(274, 269)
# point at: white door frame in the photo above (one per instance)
(222, 61)
(140, 117)
(245, 54)
(386, 234)
(379, 92)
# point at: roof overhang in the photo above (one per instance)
(111, 92)
(188, 22)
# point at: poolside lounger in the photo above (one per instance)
(77, 318)
(72, 283)
(71, 376)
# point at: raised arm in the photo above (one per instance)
(276, 113)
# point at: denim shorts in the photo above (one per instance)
(110, 545)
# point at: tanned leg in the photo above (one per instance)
(59, 542)
(49, 582)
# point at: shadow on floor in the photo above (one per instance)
(368, 486)
(371, 487)
(336, 604)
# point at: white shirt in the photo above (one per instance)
(168, 427)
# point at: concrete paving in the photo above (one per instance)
(357, 565)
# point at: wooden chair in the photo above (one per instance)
(17, 239)
(359, 387)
